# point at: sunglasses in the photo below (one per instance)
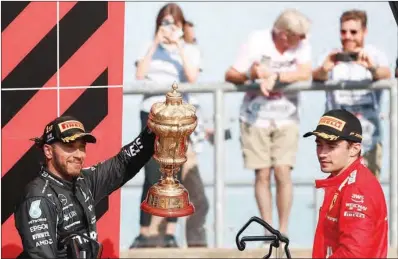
(352, 32)
(300, 36)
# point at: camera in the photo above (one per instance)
(174, 34)
(346, 56)
(167, 23)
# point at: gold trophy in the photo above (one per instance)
(172, 122)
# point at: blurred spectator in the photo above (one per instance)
(166, 59)
(269, 119)
(195, 231)
(189, 32)
(396, 69)
(195, 225)
(356, 61)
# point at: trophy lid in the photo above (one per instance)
(173, 111)
(174, 97)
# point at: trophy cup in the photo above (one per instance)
(172, 122)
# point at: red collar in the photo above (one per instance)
(337, 180)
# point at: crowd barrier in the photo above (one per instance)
(220, 89)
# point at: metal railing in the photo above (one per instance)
(218, 89)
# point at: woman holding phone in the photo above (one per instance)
(164, 60)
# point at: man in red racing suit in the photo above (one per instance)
(353, 218)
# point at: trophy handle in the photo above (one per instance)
(275, 239)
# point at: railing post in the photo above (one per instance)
(393, 166)
(219, 178)
(316, 202)
(219, 167)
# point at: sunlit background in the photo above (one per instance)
(220, 28)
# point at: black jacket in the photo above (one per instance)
(54, 209)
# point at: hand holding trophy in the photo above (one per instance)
(172, 122)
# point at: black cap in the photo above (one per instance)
(338, 124)
(64, 129)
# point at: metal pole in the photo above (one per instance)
(393, 165)
(183, 232)
(219, 167)
(316, 214)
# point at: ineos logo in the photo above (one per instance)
(63, 199)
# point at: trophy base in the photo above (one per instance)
(168, 200)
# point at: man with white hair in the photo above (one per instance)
(268, 118)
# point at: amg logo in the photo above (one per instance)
(40, 235)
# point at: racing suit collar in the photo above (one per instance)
(337, 180)
(45, 173)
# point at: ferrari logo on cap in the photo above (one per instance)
(332, 122)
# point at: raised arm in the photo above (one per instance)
(143, 64)
(321, 73)
(111, 174)
(243, 68)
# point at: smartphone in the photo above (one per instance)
(346, 56)
(168, 25)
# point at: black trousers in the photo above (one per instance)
(195, 231)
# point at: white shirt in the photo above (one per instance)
(166, 68)
(356, 72)
(264, 111)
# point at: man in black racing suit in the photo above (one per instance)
(56, 218)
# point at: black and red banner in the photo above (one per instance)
(87, 43)
(394, 9)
